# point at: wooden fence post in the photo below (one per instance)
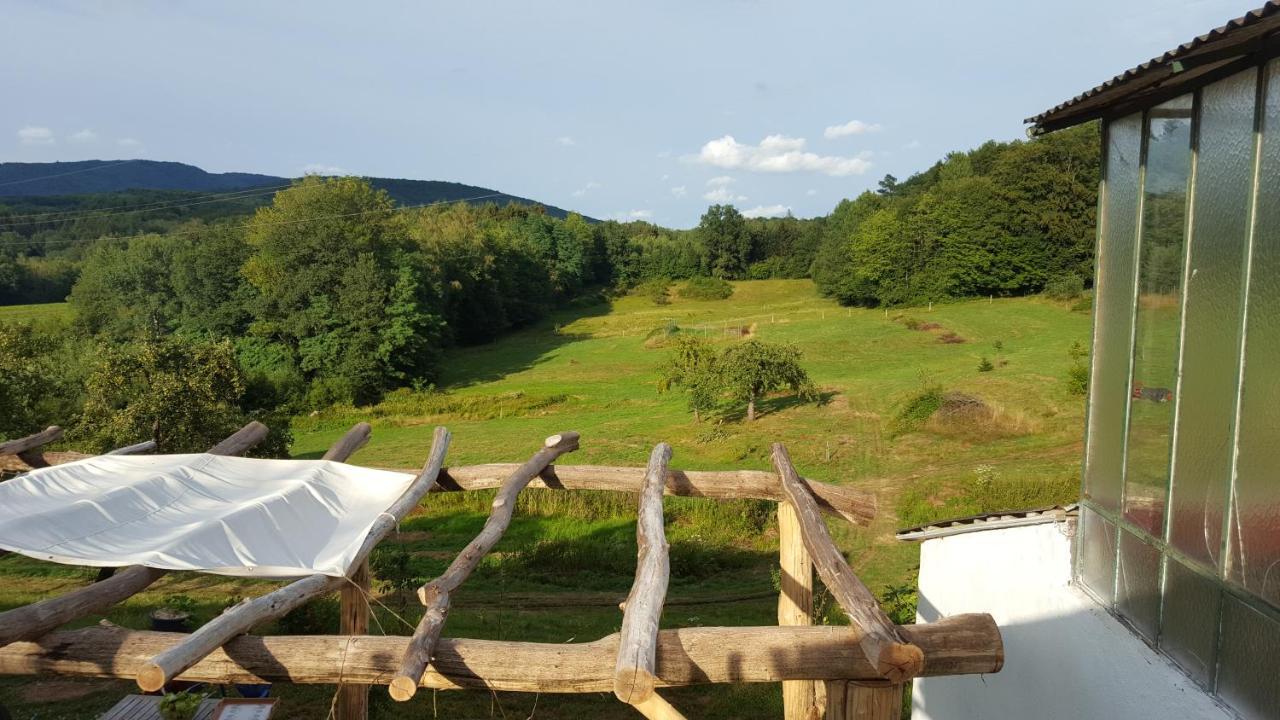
(851, 700)
(795, 607)
(353, 700)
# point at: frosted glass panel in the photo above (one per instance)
(1212, 316)
(1098, 555)
(1113, 314)
(1249, 668)
(1255, 529)
(1138, 585)
(1155, 347)
(1190, 621)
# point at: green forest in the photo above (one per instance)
(328, 292)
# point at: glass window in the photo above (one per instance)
(1098, 555)
(1254, 560)
(1138, 585)
(1212, 316)
(1189, 632)
(1157, 319)
(1249, 666)
(1113, 313)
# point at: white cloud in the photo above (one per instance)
(128, 143)
(633, 215)
(566, 141)
(664, 154)
(591, 185)
(912, 145)
(680, 191)
(853, 127)
(776, 154)
(722, 195)
(766, 211)
(810, 192)
(720, 181)
(322, 169)
(84, 136)
(34, 135)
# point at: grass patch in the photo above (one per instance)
(706, 288)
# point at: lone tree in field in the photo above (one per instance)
(741, 373)
(751, 369)
(691, 366)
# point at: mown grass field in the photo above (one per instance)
(568, 557)
(35, 313)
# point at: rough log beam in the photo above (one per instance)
(635, 673)
(241, 618)
(135, 449)
(656, 708)
(347, 445)
(958, 645)
(897, 659)
(32, 621)
(437, 594)
(28, 448)
(853, 505)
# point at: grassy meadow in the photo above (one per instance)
(568, 557)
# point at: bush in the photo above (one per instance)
(1078, 373)
(656, 290)
(1064, 287)
(917, 410)
(984, 365)
(706, 288)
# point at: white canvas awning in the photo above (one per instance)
(225, 515)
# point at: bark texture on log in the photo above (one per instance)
(853, 505)
(32, 621)
(353, 700)
(31, 442)
(897, 660)
(436, 595)
(635, 673)
(654, 707)
(243, 439)
(795, 605)
(241, 618)
(964, 644)
(347, 445)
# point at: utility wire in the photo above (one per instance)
(68, 215)
(73, 172)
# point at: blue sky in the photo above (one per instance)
(629, 110)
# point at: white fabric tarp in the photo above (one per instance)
(225, 515)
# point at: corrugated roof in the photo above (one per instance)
(988, 521)
(1175, 68)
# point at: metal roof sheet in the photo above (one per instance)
(988, 521)
(1214, 48)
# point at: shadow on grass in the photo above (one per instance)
(776, 404)
(519, 350)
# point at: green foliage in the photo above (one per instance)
(657, 290)
(1064, 287)
(706, 288)
(899, 603)
(394, 571)
(749, 370)
(917, 410)
(984, 365)
(724, 234)
(1078, 372)
(985, 491)
(692, 366)
(41, 377)
(180, 603)
(185, 395)
(180, 706)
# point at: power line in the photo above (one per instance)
(123, 207)
(159, 205)
(258, 224)
(73, 172)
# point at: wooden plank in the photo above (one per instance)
(32, 621)
(853, 505)
(848, 700)
(958, 645)
(897, 660)
(436, 595)
(635, 673)
(242, 617)
(795, 605)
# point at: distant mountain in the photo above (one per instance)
(86, 177)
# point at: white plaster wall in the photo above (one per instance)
(1065, 657)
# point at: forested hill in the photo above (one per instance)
(90, 177)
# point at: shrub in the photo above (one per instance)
(984, 365)
(656, 290)
(1064, 287)
(706, 288)
(1078, 372)
(917, 410)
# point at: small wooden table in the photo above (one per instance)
(147, 707)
